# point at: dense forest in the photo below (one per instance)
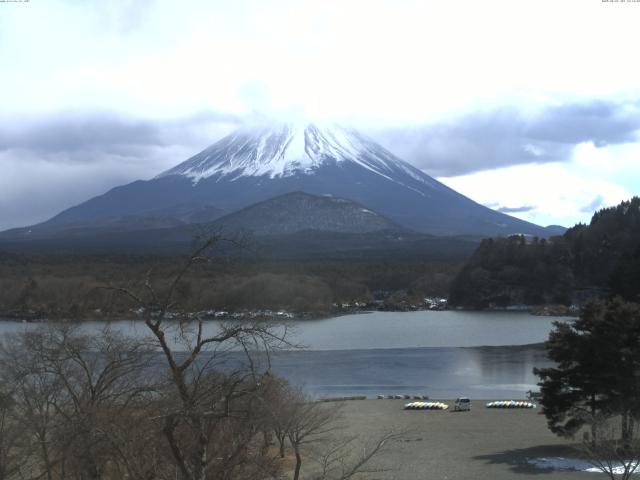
(72, 287)
(596, 260)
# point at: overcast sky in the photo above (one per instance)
(529, 107)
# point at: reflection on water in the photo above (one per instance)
(442, 372)
(514, 363)
(441, 354)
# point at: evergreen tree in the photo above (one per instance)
(601, 259)
(625, 279)
(598, 369)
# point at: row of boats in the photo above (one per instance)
(444, 406)
(510, 404)
(426, 406)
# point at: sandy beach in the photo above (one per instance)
(482, 443)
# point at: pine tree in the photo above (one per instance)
(598, 369)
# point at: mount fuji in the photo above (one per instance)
(255, 164)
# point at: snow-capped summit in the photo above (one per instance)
(255, 164)
(287, 149)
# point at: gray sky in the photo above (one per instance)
(532, 108)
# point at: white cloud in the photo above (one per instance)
(392, 61)
(616, 163)
(559, 193)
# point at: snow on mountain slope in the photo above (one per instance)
(290, 149)
(255, 164)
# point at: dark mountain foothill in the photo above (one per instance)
(298, 211)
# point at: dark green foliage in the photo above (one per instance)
(598, 368)
(601, 259)
(507, 271)
(598, 248)
(625, 279)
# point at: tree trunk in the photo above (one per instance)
(90, 467)
(626, 433)
(169, 430)
(594, 426)
(45, 457)
(296, 473)
(201, 454)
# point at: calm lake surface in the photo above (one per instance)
(484, 355)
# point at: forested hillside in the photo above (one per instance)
(71, 287)
(599, 259)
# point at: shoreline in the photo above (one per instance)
(542, 311)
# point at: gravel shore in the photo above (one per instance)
(482, 443)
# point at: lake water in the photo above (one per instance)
(484, 355)
(424, 329)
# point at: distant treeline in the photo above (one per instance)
(596, 260)
(72, 286)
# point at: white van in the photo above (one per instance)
(463, 404)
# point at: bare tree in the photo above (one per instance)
(345, 458)
(72, 391)
(308, 422)
(10, 436)
(37, 395)
(313, 429)
(615, 455)
(277, 402)
(207, 397)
